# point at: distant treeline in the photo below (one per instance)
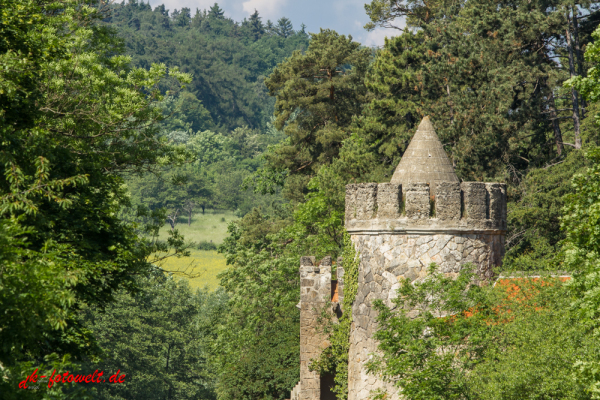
(228, 60)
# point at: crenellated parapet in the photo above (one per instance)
(457, 207)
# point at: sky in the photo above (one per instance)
(344, 16)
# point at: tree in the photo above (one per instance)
(183, 17)
(284, 27)
(216, 12)
(165, 354)
(317, 94)
(447, 338)
(256, 26)
(270, 27)
(227, 79)
(256, 349)
(74, 116)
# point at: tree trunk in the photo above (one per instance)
(557, 133)
(579, 56)
(203, 206)
(574, 94)
(173, 219)
(190, 218)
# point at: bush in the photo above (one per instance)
(204, 245)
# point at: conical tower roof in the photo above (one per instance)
(424, 160)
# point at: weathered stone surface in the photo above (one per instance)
(398, 237)
(315, 294)
(350, 201)
(448, 201)
(417, 204)
(410, 261)
(497, 204)
(475, 197)
(424, 159)
(366, 200)
(389, 200)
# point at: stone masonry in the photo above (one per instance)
(315, 294)
(400, 228)
(424, 215)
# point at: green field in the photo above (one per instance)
(207, 227)
(203, 265)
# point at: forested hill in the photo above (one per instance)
(228, 60)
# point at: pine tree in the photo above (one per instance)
(302, 30)
(216, 12)
(270, 28)
(162, 10)
(183, 18)
(317, 95)
(256, 26)
(284, 27)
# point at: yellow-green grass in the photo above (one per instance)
(207, 227)
(203, 265)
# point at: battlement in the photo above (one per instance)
(456, 207)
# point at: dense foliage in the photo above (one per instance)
(74, 115)
(517, 339)
(103, 141)
(169, 329)
(228, 60)
(223, 117)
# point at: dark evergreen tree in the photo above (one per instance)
(216, 12)
(318, 93)
(256, 26)
(161, 10)
(183, 18)
(270, 28)
(302, 30)
(227, 77)
(284, 27)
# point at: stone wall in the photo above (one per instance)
(398, 232)
(386, 258)
(315, 293)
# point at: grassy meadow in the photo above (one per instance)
(210, 226)
(202, 265)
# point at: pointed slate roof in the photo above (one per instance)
(424, 160)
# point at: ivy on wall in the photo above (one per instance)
(334, 359)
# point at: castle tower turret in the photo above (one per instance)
(423, 215)
(424, 160)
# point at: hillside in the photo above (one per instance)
(228, 60)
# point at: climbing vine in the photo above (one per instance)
(334, 359)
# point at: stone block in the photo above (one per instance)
(448, 201)
(476, 200)
(340, 272)
(307, 282)
(366, 200)
(307, 261)
(417, 205)
(351, 201)
(326, 262)
(389, 200)
(497, 207)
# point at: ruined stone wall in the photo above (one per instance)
(315, 293)
(398, 232)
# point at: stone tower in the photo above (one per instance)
(423, 215)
